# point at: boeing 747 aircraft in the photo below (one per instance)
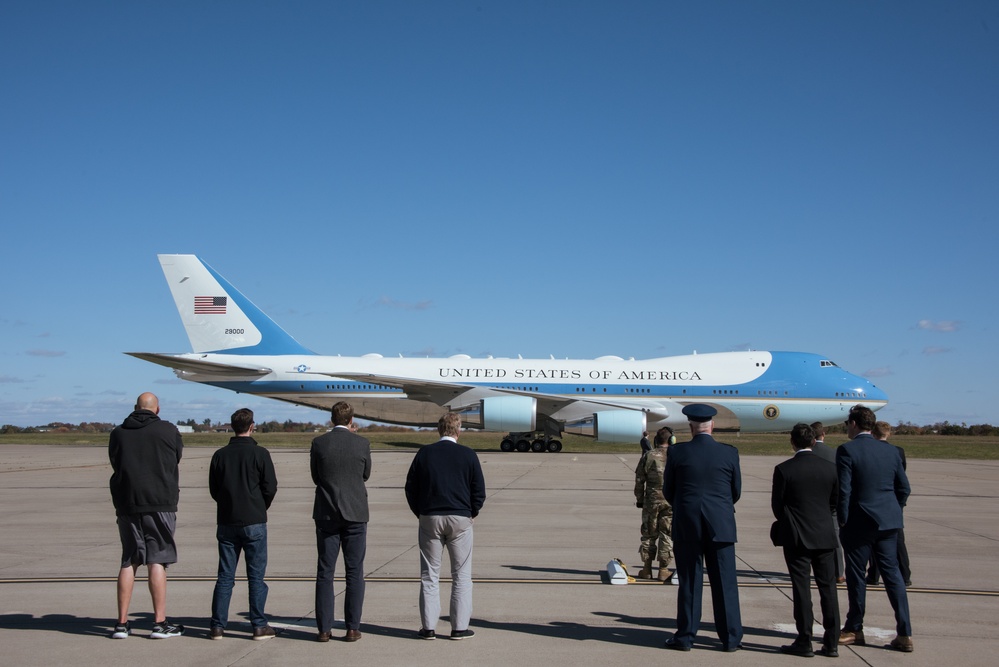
(237, 347)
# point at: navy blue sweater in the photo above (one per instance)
(445, 478)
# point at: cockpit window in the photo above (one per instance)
(825, 363)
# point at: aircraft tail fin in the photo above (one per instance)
(217, 317)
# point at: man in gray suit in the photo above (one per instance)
(873, 489)
(341, 464)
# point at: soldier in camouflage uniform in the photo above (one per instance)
(657, 515)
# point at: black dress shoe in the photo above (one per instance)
(732, 649)
(803, 650)
(675, 645)
(827, 652)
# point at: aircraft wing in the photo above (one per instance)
(417, 390)
(189, 365)
(442, 393)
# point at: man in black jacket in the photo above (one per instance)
(805, 490)
(445, 489)
(241, 479)
(145, 454)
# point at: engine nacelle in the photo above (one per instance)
(513, 414)
(618, 425)
(611, 426)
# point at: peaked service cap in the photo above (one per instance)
(699, 412)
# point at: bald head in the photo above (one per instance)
(148, 401)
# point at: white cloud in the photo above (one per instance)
(936, 350)
(883, 371)
(942, 326)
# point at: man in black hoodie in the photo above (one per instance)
(145, 486)
(241, 479)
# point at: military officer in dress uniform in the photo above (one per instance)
(702, 483)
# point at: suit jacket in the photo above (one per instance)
(703, 482)
(824, 451)
(805, 490)
(341, 464)
(872, 482)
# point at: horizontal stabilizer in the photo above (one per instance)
(188, 365)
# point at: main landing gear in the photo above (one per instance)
(530, 442)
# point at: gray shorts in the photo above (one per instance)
(148, 538)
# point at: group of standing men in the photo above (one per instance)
(864, 486)
(445, 489)
(820, 498)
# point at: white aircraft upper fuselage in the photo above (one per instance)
(237, 347)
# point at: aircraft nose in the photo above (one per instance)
(873, 392)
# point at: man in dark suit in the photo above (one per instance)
(873, 489)
(703, 482)
(824, 451)
(882, 431)
(805, 489)
(341, 464)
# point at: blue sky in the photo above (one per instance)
(569, 178)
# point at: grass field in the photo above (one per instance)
(777, 444)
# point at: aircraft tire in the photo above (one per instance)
(554, 446)
(523, 446)
(507, 445)
(538, 446)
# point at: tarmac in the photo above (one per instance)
(550, 525)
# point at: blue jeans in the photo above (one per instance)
(232, 540)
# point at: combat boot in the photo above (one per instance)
(664, 572)
(646, 572)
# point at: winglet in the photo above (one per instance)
(217, 317)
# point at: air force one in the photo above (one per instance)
(534, 401)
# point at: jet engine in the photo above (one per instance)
(509, 413)
(611, 426)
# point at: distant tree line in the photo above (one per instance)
(204, 426)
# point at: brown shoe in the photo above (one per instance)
(665, 573)
(352, 635)
(840, 580)
(848, 638)
(216, 632)
(323, 637)
(901, 643)
(263, 632)
(646, 572)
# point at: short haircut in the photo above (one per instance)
(819, 430)
(881, 430)
(802, 436)
(342, 414)
(241, 420)
(449, 424)
(863, 417)
(663, 435)
(701, 427)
